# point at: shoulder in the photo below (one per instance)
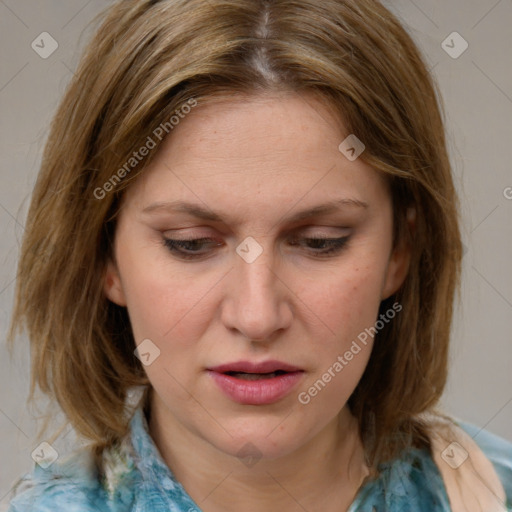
(476, 472)
(129, 475)
(497, 450)
(70, 485)
(463, 470)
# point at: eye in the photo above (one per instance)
(188, 249)
(195, 248)
(323, 246)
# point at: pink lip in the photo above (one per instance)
(249, 367)
(256, 392)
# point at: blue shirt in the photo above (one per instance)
(137, 479)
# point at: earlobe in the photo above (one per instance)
(398, 265)
(112, 285)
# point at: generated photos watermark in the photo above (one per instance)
(343, 360)
(159, 133)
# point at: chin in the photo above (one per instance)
(251, 438)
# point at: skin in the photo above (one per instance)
(256, 161)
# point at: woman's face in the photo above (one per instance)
(251, 177)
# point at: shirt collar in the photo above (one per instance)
(397, 483)
(147, 453)
(159, 488)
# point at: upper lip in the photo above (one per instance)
(250, 367)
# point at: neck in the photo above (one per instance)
(323, 474)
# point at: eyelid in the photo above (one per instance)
(314, 231)
(338, 244)
(319, 231)
(294, 234)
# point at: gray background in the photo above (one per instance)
(477, 90)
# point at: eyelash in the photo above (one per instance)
(177, 246)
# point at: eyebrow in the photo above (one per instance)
(200, 212)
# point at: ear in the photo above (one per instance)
(112, 285)
(398, 265)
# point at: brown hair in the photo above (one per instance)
(147, 60)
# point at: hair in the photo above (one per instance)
(147, 60)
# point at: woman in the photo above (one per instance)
(251, 248)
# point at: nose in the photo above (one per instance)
(258, 303)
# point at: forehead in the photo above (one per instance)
(257, 151)
(261, 127)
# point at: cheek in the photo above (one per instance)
(346, 300)
(162, 303)
(168, 310)
(348, 304)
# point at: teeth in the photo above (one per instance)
(254, 376)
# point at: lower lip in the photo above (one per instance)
(257, 392)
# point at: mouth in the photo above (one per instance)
(255, 376)
(256, 383)
(248, 367)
